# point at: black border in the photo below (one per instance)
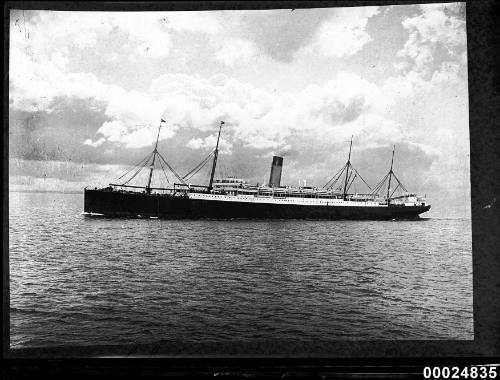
(334, 358)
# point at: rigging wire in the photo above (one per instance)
(170, 168)
(379, 185)
(350, 183)
(362, 179)
(350, 175)
(140, 163)
(198, 167)
(135, 174)
(197, 170)
(399, 182)
(395, 190)
(335, 178)
(331, 183)
(339, 174)
(163, 169)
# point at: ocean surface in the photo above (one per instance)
(80, 280)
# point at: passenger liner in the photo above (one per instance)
(230, 198)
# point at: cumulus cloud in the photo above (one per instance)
(236, 51)
(96, 143)
(147, 31)
(448, 73)
(262, 119)
(441, 23)
(93, 88)
(38, 82)
(142, 34)
(206, 22)
(344, 34)
(341, 106)
(277, 33)
(434, 54)
(259, 118)
(208, 143)
(438, 26)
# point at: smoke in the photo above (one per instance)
(286, 152)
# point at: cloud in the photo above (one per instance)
(448, 73)
(141, 34)
(439, 30)
(146, 30)
(262, 119)
(439, 23)
(434, 56)
(93, 90)
(96, 143)
(282, 34)
(40, 86)
(29, 175)
(259, 118)
(208, 143)
(129, 136)
(345, 34)
(205, 22)
(235, 52)
(277, 33)
(414, 83)
(337, 108)
(85, 39)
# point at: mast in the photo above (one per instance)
(390, 175)
(148, 187)
(347, 171)
(216, 153)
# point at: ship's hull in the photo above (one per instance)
(127, 204)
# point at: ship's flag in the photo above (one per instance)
(222, 122)
(163, 121)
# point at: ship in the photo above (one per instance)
(234, 198)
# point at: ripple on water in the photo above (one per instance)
(82, 280)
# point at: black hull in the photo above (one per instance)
(126, 204)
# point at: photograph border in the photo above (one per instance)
(484, 103)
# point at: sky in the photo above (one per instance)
(87, 91)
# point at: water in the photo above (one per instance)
(79, 280)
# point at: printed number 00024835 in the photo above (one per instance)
(477, 372)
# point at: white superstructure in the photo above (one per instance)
(232, 189)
